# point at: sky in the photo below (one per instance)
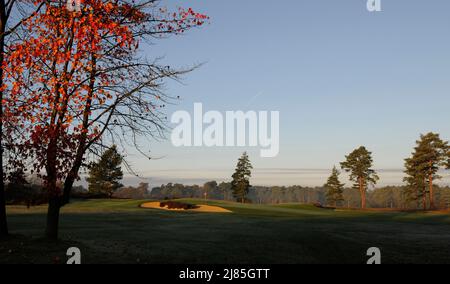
(340, 76)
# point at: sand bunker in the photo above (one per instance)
(200, 208)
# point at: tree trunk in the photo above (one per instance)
(431, 192)
(54, 206)
(424, 200)
(3, 220)
(54, 193)
(57, 202)
(68, 184)
(417, 198)
(364, 200)
(362, 192)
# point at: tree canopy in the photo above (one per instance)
(105, 175)
(359, 165)
(429, 156)
(334, 188)
(240, 184)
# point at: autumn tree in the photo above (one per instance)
(359, 165)
(105, 175)
(334, 188)
(13, 14)
(3, 21)
(429, 156)
(240, 184)
(79, 85)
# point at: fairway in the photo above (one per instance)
(118, 231)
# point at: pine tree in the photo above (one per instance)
(416, 189)
(104, 175)
(359, 164)
(429, 156)
(334, 188)
(241, 178)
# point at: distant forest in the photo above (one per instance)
(383, 197)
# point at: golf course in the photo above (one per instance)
(121, 231)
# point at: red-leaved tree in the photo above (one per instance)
(79, 84)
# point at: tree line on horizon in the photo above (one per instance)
(393, 197)
(383, 197)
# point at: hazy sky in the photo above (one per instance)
(340, 76)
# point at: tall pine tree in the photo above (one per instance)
(104, 175)
(416, 189)
(334, 188)
(429, 156)
(359, 165)
(241, 178)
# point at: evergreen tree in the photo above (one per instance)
(241, 178)
(334, 188)
(359, 164)
(429, 156)
(104, 175)
(416, 189)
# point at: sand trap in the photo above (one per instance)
(201, 208)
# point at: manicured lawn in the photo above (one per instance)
(115, 231)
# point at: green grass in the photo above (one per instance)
(118, 231)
